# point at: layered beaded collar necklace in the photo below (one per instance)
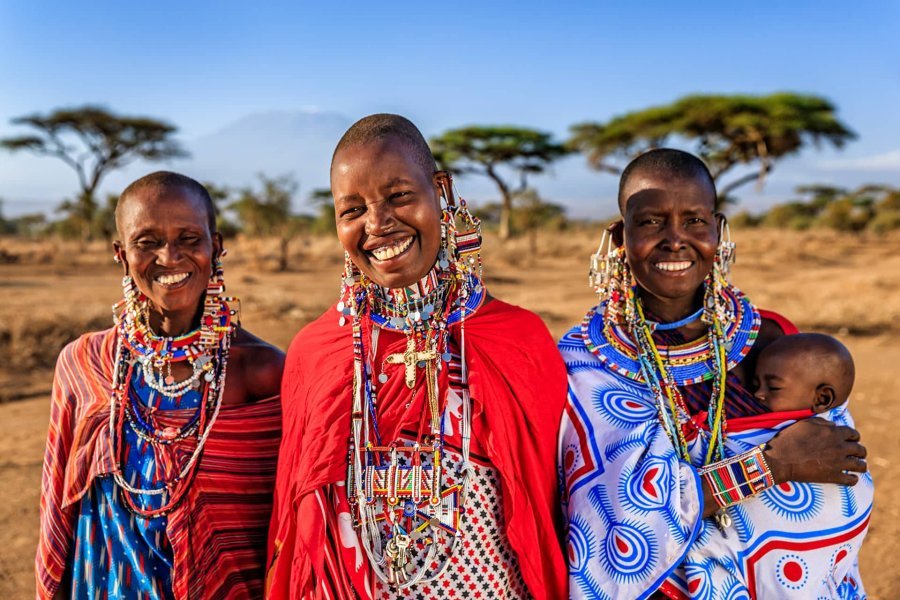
(206, 349)
(630, 350)
(399, 502)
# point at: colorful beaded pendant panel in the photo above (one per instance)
(688, 363)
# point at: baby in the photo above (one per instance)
(804, 371)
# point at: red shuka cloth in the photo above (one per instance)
(517, 383)
(218, 529)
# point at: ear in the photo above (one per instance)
(119, 255)
(616, 231)
(721, 224)
(218, 245)
(825, 397)
(443, 181)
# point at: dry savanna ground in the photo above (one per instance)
(848, 286)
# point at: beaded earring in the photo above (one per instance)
(460, 234)
(350, 280)
(716, 305)
(611, 280)
(137, 309)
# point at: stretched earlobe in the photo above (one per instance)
(616, 231)
(119, 257)
(444, 182)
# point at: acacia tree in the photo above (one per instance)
(726, 131)
(493, 150)
(266, 212)
(94, 141)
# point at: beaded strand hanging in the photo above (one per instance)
(205, 349)
(399, 502)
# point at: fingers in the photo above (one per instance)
(847, 479)
(857, 450)
(848, 433)
(854, 463)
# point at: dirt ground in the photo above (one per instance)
(848, 286)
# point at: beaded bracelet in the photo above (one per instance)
(736, 478)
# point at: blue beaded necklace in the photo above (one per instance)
(676, 324)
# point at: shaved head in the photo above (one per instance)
(665, 161)
(384, 126)
(164, 180)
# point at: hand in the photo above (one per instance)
(816, 451)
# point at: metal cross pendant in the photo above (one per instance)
(410, 359)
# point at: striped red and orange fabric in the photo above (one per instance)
(218, 532)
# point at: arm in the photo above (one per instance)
(810, 451)
(57, 524)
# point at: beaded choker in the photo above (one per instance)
(688, 363)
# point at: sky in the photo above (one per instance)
(204, 65)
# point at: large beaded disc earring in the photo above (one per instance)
(461, 232)
(610, 278)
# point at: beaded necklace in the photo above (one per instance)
(205, 348)
(395, 489)
(732, 327)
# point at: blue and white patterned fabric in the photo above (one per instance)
(118, 554)
(634, 508)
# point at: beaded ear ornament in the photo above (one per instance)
(400, 502)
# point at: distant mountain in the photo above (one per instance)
(274, 143)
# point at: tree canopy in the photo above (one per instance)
(266, 212)
(493, 151)
(94, 141)
(725, 131)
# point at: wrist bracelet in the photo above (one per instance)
(739, 477)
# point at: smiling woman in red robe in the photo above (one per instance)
(420, 414)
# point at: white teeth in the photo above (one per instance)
(673, 266)
(172, 279)
(386, 252)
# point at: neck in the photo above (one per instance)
(669, 310)
(173, 324)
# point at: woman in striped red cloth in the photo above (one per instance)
(164, 430)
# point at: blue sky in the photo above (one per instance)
(203, 65)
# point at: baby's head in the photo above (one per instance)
(804, 371)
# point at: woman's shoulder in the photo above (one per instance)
(260, 362)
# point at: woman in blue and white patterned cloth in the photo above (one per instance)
(678, 482)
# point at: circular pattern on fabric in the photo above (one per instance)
(622, 406)
(792, 572)
(579, 544)
(648, 488)
(793, 500)
(689, 363)
(627, 550)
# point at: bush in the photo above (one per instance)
(884, 221)
(845, 215)
(794, 215)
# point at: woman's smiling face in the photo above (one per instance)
(670, 234)
(388, 211)
(167, 247)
